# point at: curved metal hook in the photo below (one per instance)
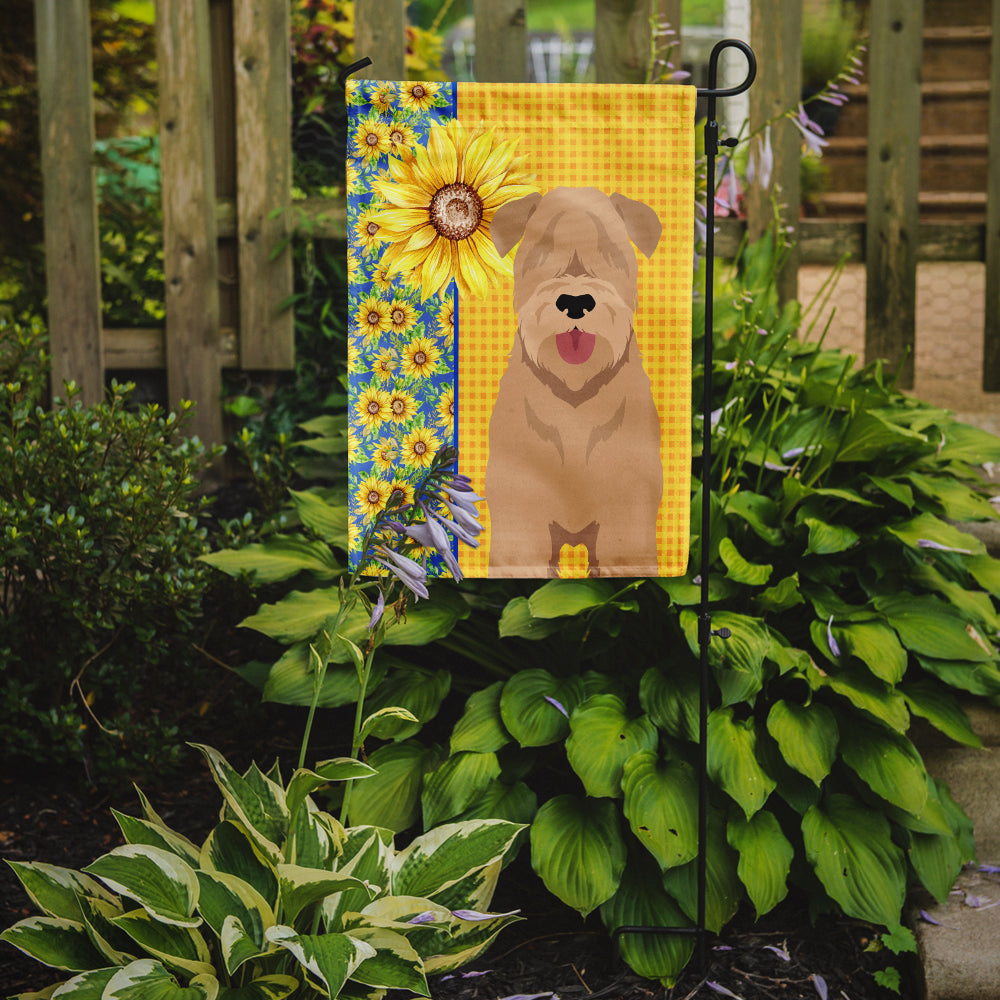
(353, 68)
(713, 69)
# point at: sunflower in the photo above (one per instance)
(405, 489)
(402, 315)
(386, 454)
(446, 408)
(418, 96)
(446, 319)
(385, 364)
(402, 406)
(419, 447)
(383, 279)
(371, 496)
(366, 229)
(402, 139)
(373, 407)
(420, 357)
(440, 206)
(373, 316)
(382, 98)
(371, 139)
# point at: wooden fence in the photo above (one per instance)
(226, 161)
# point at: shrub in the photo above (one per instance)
(99, 539)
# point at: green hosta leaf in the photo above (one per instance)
(180, 948)
(869, 436)
(395, 964)
(723, 889)
(732, 760)
(301, 887)
(578, 851)
(159, 881)
(456, 784)
(937, 860)
(225, 897)
(467, 940)
(850, 847)
(986, 572)
(481, 728)
(391, 798)
(661, 799)
(957, 501)
(888, 763)
(328, 521)
(765, 858)
(976, 678)
(684, 592)
(330, 959)
(416, 689)
(965, 443)
(292, 681)
(752, 574)
(828, 539)
(783, 595)
(141, 831)
(758, 511)
(279, 558)
(975, 605)
(98, 916)
(559, 598)
(517, 620)
(147, 979)
(315, 839)
(438, 859)
(893, 488)
(56, 891)
(54, 941)
(931, 628)
(230, 849)
(738, 661)
(385, 723)
(928, 528)
(238, 944)
(671, 700)
(602, 738)
(367, 853)
(516, 803)
(304, 782)
(876, 646)
(528, 711)
(641, 901)
(865, 692)
(275, 987)
(941, 709)
(807, 736)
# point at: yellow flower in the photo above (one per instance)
(382, 98)
(418, 96)
(446, 408)
(419, 447)
(402, 139)
(366, 229)
(386, 454)
(384, 365)
(373, 316)
(403, 487)
(402, 315)
(371, 139)
(440, 206)
(402, 406)
(373, 407)
(383, 279)
(420, 357)
(372, 495)
(353, 266)
(446, 319)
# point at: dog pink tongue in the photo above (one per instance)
(575, 346)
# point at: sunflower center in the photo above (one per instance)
(398, 406)
(418, 92)
(419, 448)
(371, 228)
(396, 138)
(374, 496)
(371, 138)
(373, 407)
(456, 211)
(373, 318)
(398, 316)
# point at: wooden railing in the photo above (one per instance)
(226, 161)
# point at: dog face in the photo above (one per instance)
(575, 277)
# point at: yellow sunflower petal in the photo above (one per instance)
(476, 156)
(442, 155)
(506, 193)
(436, 268)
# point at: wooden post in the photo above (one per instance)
(776, 35)
(501, 41)
(190, 254)
(262, 61)
(668, 13)
(893, 183)
(991, 333)
(72, 256)
(622, 40)
(380, 34)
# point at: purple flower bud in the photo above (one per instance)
(834, 648)
(408, 571)
(377, 612)
(558, 705)
(428, 916)
(820, 983)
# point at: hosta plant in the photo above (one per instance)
(279, 900)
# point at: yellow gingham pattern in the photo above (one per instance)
(637, 140)
(573, 562)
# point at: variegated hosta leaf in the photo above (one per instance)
(467, 940)
(481, 727)
(456, 784)
(765, 858)
(367, 853)
(300, 887)
(578, 851)
(315, 838)
(116, 946)
(230, 849)
(661, 800)
(224, 897)
(87, 986)
(328, 959)
(602, 737)
(807, 736)
(147, 979)
(158, 880)
(274, 987)
(475, 891)
(535, 706)
(850, 847)
(56, 891)
(441, 857)
(888, 763)
(141, 831)
(177, 947)
(732, 760)
(642, 902)
(391, 799)
(54, 941)
(304, 782)
(395, 964)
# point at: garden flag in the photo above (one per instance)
(520, 275)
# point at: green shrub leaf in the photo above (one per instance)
(456, 784)
(807, 736)
(535, 706)
(930, 627)
(741, 571)
(559, 598)
(391, 798)
(55, 941)
(888, 763)
(765, 858)
(279, 558)
(671, 701)
(481, 727)
(147, 979)
(330, 959)
(732, 760)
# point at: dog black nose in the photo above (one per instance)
(575, 306)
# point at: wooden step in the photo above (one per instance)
(957, 206)
(939, 13)
(956, 53)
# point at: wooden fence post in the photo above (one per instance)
(893, 183)
(501, 41)
(991, 332)
(776, 35)
(262, 61)
(380, 34)
(72, 255)
(622, 40)
(190, 252)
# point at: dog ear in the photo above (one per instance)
(510, 220)
(641, 223)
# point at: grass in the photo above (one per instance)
(578, 15)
